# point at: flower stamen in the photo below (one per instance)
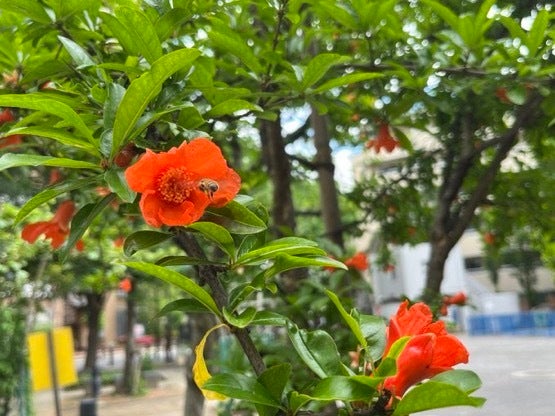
(175, 185)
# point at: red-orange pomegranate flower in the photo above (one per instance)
(383, 139)
(11, 141)
(359, 262)
(178, 185)
(57, 229)
(429, 351)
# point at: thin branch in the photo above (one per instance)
(209, 274)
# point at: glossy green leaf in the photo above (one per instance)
(183, 261)
(345, 388)
(388, 365)
(241, 320)
(82, 221)
(27, 8)
(61, 136)
(274, 379)
(241, 387)
(231, 106)
(50, 106)
(51, 193)
(289, 245)
(183, 305)
(284, 262)
(140, 240)
(538, 32)
(373, 329)
(351, 322)
(318, 66)
(190, 118)
(231, 42)
(217, 234)
(114, 95)
(434, 395)
(236, 218)
(79, 55)
(297, 401)
(317, 349)
(178, 280)
(269, 318)
(135, 32)
(466, 380)
(345, 80)
(143, 89)
(11, 160)
(116, 182)
(445, 13)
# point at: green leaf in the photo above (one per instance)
(184, 261)
(434, 395)
(241, 387)
(297, 400)
(184, 305)
(318, 67)
(81, 222)
(116, 182)
(345, 388)
(50, 106)
(231, 42)
(178, 280)
(217, 234)
(135, 32)
(143, 89)
(114, 95)
(51, 193)
(274, 379)
(77, 53)
(388, 365)
(269, 318)
(445, 13)
(345, 80)
(26, 8)
(538, 32)
(190, 118)
(236, 218)
(517, 95)
(373, 329)
(11, 160)
(289, 245)
(61, 136)
(351, 322)
(317, 349)
(140, 240)
(241, 320)
(466, 380)
(284, 262)
(231, 106)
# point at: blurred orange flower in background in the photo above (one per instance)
(359, 262)
(178, 185)
(429, 351)
(56, 229)
(383, 139)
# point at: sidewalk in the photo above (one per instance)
(165, 399)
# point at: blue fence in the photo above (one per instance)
(523, 323)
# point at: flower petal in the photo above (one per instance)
(142, 175)
(204, 158)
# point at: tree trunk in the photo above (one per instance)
(328, 191)
(129, 382)
(94, 308)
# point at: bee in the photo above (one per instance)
(208, 186)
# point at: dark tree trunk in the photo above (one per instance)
(279, 169)
(129, 383)
(323, 161)
(95, 302)
(453, 217)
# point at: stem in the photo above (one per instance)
(209, 275)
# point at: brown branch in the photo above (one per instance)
(209, 274)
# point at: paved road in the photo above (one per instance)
(518, 375)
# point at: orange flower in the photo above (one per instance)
(8, 141)
(57, 229)
(458, 298)
(383, 139)
(359, 262)
(429, 351)
(502, 94)
(178, 185)
(126, 284)
(6, 116)
(489, 238)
